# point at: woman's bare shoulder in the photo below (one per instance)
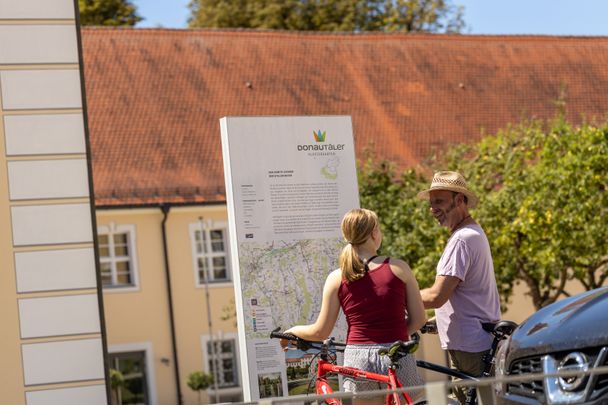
(401, 269)
(335, 277)
(396, 262)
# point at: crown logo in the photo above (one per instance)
(319, 136)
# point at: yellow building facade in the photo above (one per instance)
(52, 334)
(153, 265)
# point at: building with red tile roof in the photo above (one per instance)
(155, 96)
(154, 101)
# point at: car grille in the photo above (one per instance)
(600, 389)
(531, 389)
(535, 389)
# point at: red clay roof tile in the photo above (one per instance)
(155, 96)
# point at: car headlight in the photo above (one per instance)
(500, 366)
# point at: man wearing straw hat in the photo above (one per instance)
(464, 293)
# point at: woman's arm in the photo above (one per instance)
(330, 308)
(416, 317)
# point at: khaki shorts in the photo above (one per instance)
(469, 363)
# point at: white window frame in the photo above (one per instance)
(217, 337)
(150, 372)
(129, 230)
(207, 226)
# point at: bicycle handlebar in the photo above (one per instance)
(275, 334)
(395, 351)
(304, 344)
(407, 346)
(301, 344)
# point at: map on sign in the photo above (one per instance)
(330, 170)
(282, 282)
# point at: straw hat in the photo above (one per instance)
(450, 181)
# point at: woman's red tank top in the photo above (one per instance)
(375, 307)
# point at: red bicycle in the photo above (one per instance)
(326, 366)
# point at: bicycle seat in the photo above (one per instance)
(499, 328)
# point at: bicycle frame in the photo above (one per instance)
(325, 367)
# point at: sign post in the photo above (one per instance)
(289, 181)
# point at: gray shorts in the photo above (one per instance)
(366, 358)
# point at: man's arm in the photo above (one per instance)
(437, 295)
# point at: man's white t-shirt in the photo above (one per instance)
(467, 256)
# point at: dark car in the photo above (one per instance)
(572, 335)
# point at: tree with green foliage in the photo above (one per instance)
(329, 15)
(108, 13)
(423, 16)
(409, 231)
(199, 381)
(117, 381)
(543, 204)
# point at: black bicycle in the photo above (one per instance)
(499, 330)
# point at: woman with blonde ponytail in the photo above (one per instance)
(380, 299)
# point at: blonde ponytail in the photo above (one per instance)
(357, 226)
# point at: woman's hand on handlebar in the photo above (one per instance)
(286, 343)
(286, 338)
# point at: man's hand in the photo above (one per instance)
(430, 327)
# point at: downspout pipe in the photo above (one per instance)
(165, 208)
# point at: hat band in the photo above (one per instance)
(448, 182)
(449, 187)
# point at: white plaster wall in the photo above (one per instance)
(40, 179)
(44, 134)
(38, 89)
(58, 316)
(57, 362)
(37, 9)
(41, 114)
(51, 224)
(38, 44)
(49, 270)
(91, 395)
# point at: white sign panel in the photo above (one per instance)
(289, 181)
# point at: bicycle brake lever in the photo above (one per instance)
(383, 352)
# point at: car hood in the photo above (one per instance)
(572, 323)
